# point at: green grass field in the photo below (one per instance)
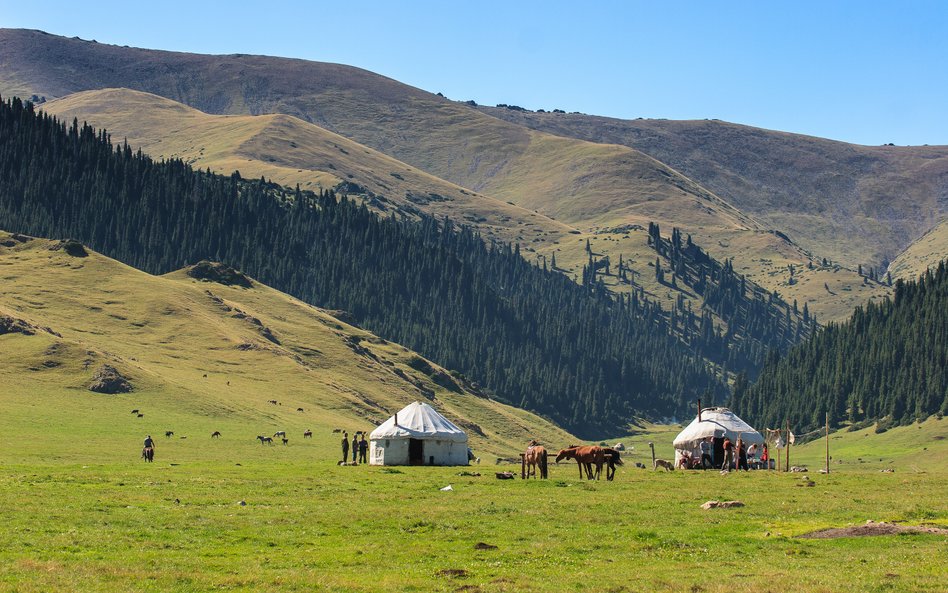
(83, 513)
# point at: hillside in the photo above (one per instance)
(199, 350)
(291, 152)
(605, 191)
(923, 254)
(886, 363)
(528, 334)
(852, 204)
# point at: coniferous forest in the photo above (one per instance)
(532, 337)
(888, 362)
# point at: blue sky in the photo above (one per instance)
(864, 72)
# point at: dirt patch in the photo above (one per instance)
(483, 546)
(454, 573)
(220, 273)
(108, 380)
(872, 528)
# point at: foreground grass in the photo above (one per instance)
(121, 525)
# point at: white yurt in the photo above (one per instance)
(418, 435)
(716, 423)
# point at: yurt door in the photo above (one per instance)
(416, 452)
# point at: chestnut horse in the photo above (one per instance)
(586, 457)
(535, 456)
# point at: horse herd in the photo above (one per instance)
(590, 460)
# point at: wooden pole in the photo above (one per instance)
(652, 446)
(788, 445)
(827, 442)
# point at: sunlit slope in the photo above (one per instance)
(290, 151)
(918, 447)
(200, 359)
(853, 204)
(924, 253)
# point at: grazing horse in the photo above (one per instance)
(216, 434)
(308, 434)
(169, 434)
(285, 441)
(265, 440)
(299, 409)
(586, 457)
(280, 433)
(533, 457)
(612, 460)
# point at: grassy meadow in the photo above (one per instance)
(81, 512)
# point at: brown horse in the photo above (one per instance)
(586, 457)
(533, 457)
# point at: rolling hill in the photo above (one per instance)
(853, 204)
(609, 192)
(200, 350)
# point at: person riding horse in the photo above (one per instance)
(148, 451)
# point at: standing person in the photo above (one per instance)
(706, 461)
(148, 450)
(728, 455)
(345, 447)
(752, 456)
(741, 455)
(765, 457)
(355, 448)
(363, 449)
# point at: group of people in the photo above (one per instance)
(737, 455)
(359, 448)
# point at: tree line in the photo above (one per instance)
(886, 363)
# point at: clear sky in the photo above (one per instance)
(866, 72)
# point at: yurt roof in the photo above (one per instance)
(419, 421)
(717, 422)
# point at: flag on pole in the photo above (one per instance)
(792, 439)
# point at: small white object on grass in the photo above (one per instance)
(447, 488)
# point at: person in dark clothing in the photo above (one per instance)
(363, 449)
(355, 447)
(345, 447)
(148, 450)
(741, 455)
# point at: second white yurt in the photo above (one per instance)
(418, 435)
(716, 423)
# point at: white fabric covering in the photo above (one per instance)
(716, 422)
(422, 437)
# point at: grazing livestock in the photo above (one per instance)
(285, 441)
(279, 433)
(265, 440)
(169, 434)
(308, 434)
(664, 464)
(299, 409)
(272, 402)
(134, 411)
(216, 434)
(585, 457)
(612, 460)
(534, 457)
(141, 415)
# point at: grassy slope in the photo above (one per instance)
(167, 333)
(853, 204)
(583, 184)
(924, 253)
